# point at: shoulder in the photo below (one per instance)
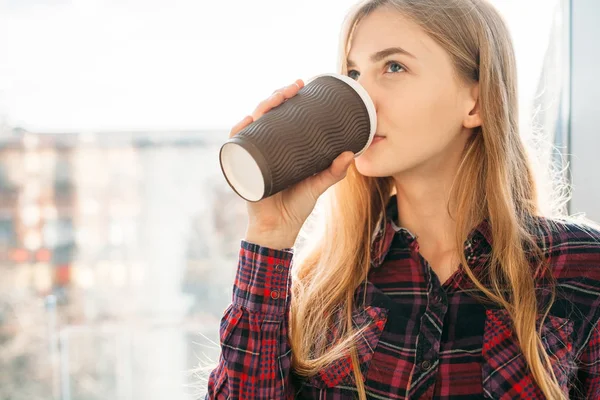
(571, 246)
(572, 252)
(567, 233)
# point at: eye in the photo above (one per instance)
(351, 74)
(396, 67)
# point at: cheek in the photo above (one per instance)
(419, 126)
(423, 114)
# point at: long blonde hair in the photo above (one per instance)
(332, 264)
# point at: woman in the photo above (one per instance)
(434, 276)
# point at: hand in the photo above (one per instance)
(283, 214)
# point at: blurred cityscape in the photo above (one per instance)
(118, 254)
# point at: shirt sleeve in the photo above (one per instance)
(588, 374)
(255, 359)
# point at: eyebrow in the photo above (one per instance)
(380, 55)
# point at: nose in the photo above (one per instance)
(369, 88)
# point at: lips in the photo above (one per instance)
(377, 139)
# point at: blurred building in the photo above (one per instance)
(135, 230)
(38, 203)
(84, 209)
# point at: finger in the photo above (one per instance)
(278, 90)
(267, 104)
(340, 165)
(279, 96)
(240, 125)
(335, 173)
(291, 90)
(298, 83)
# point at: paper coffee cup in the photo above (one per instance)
(331, 114)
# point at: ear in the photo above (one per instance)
(473, 118)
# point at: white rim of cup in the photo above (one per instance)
(366, 99)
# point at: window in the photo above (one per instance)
(127, 103)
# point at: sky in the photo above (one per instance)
(98, 65)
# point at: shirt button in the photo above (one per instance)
(278, 268)
(275, 295)
(425, 365)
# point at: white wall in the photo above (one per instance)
(585, 114)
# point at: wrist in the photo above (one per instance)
(270, 238)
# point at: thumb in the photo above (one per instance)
(332, 175)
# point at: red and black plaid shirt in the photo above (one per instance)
(426, 340)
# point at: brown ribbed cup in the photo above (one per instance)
(331, 114)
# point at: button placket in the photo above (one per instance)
(425, 365)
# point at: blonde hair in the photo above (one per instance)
(332, 265)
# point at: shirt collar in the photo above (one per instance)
(386, 231)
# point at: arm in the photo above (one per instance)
(255, 359)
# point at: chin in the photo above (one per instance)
(380, 169)
(372, 170)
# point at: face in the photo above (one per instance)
(423, 109)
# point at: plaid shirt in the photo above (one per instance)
(425, 339)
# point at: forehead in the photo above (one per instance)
(385, 28)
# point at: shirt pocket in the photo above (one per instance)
(504, 371)
(340, 372)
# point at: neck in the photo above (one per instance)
(423, 210)
(423, 196)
